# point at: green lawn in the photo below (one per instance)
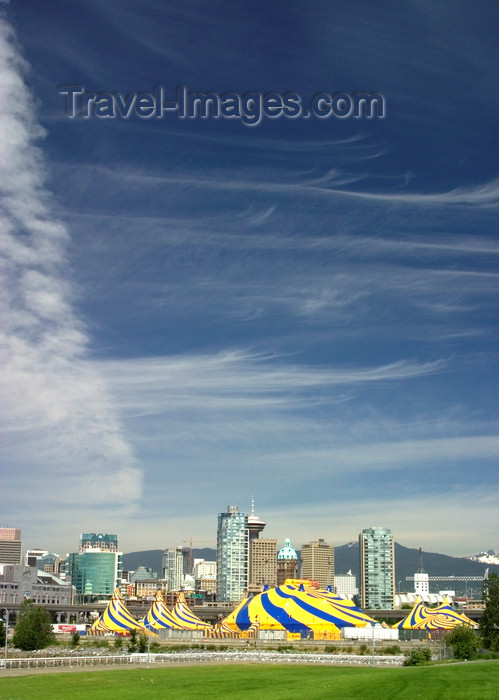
(467, 681)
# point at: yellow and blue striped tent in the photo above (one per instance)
(297, 609)
(185, 618)
(221, 631)
(442, 617)
(116, 617)
(446, 609)
(98, 627)
(416, 615)
(159, 617)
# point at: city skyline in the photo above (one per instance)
(198, 311)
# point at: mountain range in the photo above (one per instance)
(347, 559)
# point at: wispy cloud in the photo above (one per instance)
(56, 409)
(237, 378)
(330, 185)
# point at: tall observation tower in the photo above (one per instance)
(255, 525)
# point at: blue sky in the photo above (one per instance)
(304, 311)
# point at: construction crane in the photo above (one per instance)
(454, 578)
(446, 578)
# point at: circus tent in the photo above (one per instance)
(222, 631)
(446, 609)
(116, 617)
(185, 618)
(297, 609)
(443, 617)
(159, 617)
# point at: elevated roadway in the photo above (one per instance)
(210, 612)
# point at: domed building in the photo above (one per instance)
(287, 563)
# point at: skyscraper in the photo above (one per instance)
(173, 567)
(287, 563)
(232, 555)
(317, 562)
(262, 564)
(10, 545)
(97, 568)
(377, 568)
(104, 543)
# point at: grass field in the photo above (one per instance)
(472, 680)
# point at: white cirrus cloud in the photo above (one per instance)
(62, 433)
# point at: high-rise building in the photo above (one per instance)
(204, 568)
(10, 545)
(97, 568)
(173, 567)
(377, 568)
(188, 560)
(34, 557)
(345, 584)
(142, 573)
(232, 555)
(287, 563)
(94, 574)
(43, 560)
(317, 562)
(262, 564)
(52, 563)
(104, 543)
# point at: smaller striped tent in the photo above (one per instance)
(185, 618)
(116, 617)
(98, 627)
(221, 631)
(159, 617)
(446, 608)
(252, 630)
(443, 617)
(416, 615)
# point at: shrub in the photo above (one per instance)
(75, 639)
(418, 657)
(142, 643)
(394, 650)
(463, 642)
(133, 641)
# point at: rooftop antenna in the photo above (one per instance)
(420, 568)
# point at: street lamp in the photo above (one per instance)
(6, 635)
(373, 660)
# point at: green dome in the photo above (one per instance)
(287, 552)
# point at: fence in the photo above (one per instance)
(203, 657)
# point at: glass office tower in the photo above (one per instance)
(377, 568)
(232, 555)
